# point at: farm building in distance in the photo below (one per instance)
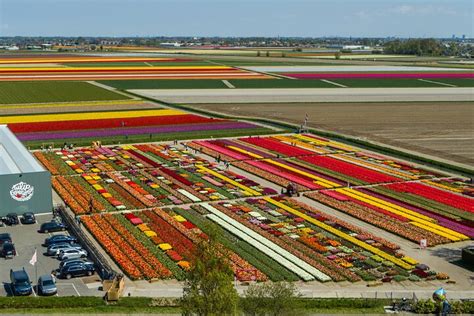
(25, 186)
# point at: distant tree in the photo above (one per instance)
(259, 53)
(277, 299)
(337, 55)
(268, 53)
(419, 47)
(209, 288)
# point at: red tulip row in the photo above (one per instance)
(444, 197)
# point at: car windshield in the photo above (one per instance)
(22, 280)
(8, 246)
(48, 282)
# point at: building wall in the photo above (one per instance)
(31, 193)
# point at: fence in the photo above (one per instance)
(103, 268)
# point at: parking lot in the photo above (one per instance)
(26, 239)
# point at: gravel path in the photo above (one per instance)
(308, 95)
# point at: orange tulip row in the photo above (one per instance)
(95, 224)
(149, 264)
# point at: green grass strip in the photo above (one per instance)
(53, 91)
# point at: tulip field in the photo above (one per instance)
(389, 194)
(145, 124)
(148, 205)
(149, 181)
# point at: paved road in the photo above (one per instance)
(308, 95)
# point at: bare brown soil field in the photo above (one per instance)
(441, 129)
(39, 109)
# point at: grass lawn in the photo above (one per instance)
(145, 305)
(216, 84)
(281, 83)
(154, 138)
(458, 82)
(165, 84)
(53, 91)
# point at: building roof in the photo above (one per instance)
(14, 157)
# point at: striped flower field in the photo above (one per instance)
(123, 124)
(125, 72)
(168, 196)
(392, 195)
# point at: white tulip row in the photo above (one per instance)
(277, 253)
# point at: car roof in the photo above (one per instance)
(58, 236)
(20, 274)
(8, 244)
(46, 277)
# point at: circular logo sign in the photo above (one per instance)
(22, 192)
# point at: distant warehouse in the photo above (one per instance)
(25, 186)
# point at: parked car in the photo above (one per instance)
(12, 219)
(74, 270)
(5, 237)
(2, 221)
(59, 239)
(28, 218)
(47, 285)
(20, 282)
(8, 250)
(72, 254)
(74, 261)
(54, 249)
(52, 226)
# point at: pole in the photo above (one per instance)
(36, 266)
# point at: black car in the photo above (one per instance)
(68, 262)
(5, 237)
(59, 239)
(8, 250)
(28, 218)
(76, 269)
(52, 226)
(20, 282)
(12, 219)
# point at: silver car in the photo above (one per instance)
(54, 250)
(72, 254)
(47, 285)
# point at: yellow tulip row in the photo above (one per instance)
(86, 116)
(439, 185)
(251, 192)
(326, 143)
(91, 69)
(421, 221)
(302, 144)
(70, 104)
(342, 235)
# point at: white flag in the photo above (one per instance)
(33, 259)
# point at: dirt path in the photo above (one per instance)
(440, 129)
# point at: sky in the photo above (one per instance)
(240, 18)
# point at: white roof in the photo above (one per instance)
(14, 157)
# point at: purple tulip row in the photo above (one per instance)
(134, 131)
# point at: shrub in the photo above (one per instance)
(424, 307)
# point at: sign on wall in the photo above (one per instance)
(22, 191)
